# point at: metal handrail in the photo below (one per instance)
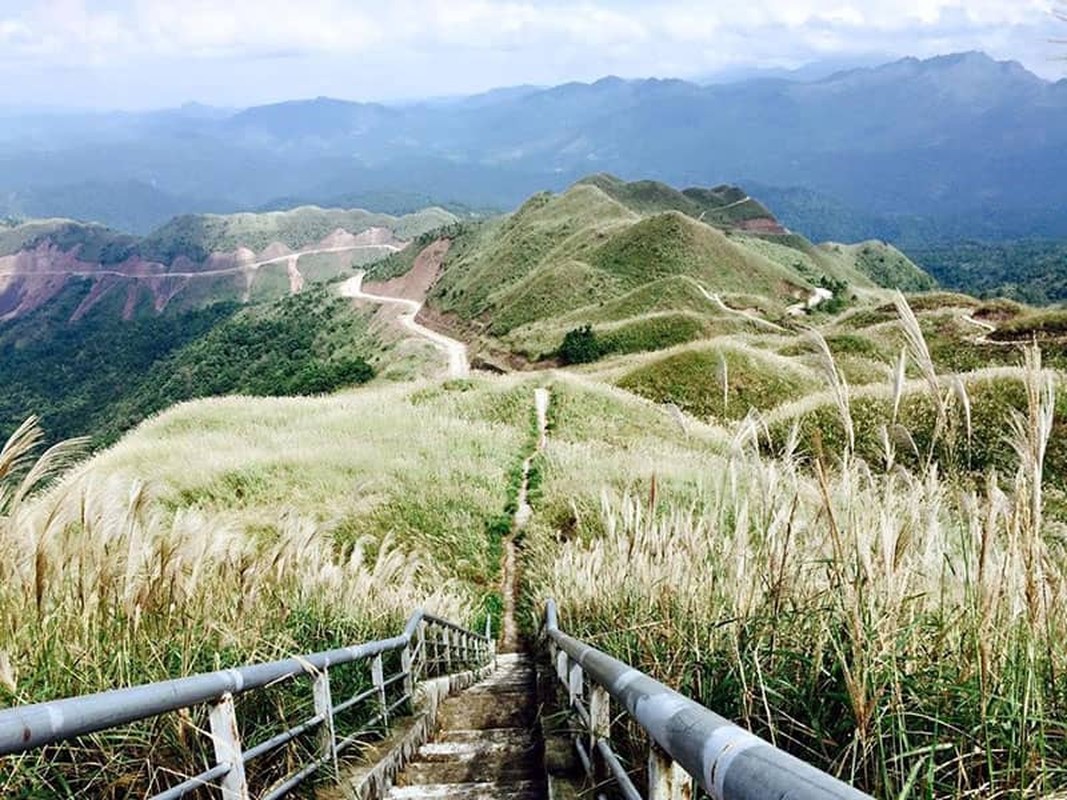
(725, 760)
(24, 728)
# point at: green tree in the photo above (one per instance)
(580, 346)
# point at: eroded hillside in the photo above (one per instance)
(195, 260)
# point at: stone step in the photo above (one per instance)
(490, 758)
(514, 736)
(479, 711)
(523, 683)
(429, 773)
(522, 790)
(487, 745)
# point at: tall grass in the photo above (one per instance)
(136, 568)
(902, 628)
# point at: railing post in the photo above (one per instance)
(447, 635)
(599, 724)
(420, 634)
(435, 637)
(227, 742)
(377, 676)
(667, 780)
(561, 666)
(324, 708)
(574, 680)
(408, 668)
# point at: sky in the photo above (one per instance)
(139, 54)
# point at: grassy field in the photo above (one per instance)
(236, 529)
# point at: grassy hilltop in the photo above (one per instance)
(841, 526)
(639, 261)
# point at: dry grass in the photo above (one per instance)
(238, 530)
(886, 617)
(896, 627)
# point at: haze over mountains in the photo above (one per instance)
(952, 147)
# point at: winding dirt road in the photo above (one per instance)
(87, 273)
(458, 365)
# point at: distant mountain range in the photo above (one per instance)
(951, 147)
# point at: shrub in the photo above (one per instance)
(580, 346)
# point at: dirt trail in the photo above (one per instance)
(296, 278)
(758, 321)
(509, 584)
(987, 329)
(818, 297)
(458, 366)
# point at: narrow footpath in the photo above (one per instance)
(488, 745)
(509, 588)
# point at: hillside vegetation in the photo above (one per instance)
(1030, 271)
(103, 375)
(840, 523)
(605, 250)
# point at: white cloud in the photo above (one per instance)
(469, 44)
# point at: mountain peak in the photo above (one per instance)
(971, 63)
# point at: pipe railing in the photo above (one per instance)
(428, 644)
(689, 743)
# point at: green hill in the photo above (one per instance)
(724, 206)
(196, 236)
(103, 374)
(606, 250)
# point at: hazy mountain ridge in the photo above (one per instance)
(953, 138)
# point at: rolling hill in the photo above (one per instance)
(648, 264)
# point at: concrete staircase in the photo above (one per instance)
(488, 744)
